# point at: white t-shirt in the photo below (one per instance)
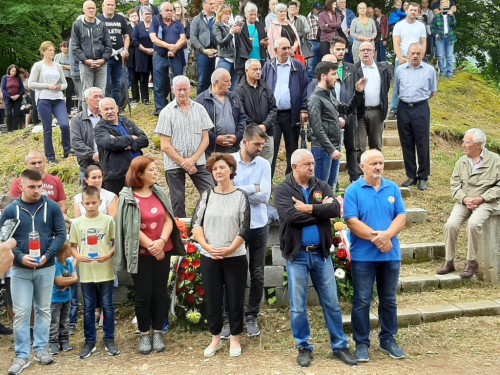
(410, 33)
(51, 75)
(106, 197)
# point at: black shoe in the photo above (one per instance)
(409, 182)
(392, 115)
(422, 185)
(52, 161)
(345, 356)
(111, 348)
(145, 102)
(305, 357)
(157, 112)
(87, 350)
(5, 331)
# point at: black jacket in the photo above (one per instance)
(292, 221)
(385, 71)
(244, 45)
(82, 139)
(114, 159)
(259, 112)
(224, 40)
(324, 110)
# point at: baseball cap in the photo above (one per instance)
(317, 6)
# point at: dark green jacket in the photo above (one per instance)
(437, 27)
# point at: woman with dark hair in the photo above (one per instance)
(133, 76)
(48, 80)
(220, 224)
(143, 52)
(109, 200)
(330, 23)
(282, 28)
(13, 91)
(144, 250)
(63, 60)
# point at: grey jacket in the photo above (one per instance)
(128, 222)
(224, 40)
(200, 33)
(87, 43)
(82, 139)
(323, 110)
(36, 81)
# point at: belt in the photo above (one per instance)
(373, 108)
(414, 104)
(311, 248)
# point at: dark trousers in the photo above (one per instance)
(13, 114)
(34, 118)
(47, 108)
(90, 296)
(133, 77)
(115, 186)
(151, 295)
(324, 49)
(229, 274)
(256, 247)
(176, 180)
(59, 322)
(206, 66)
(350, 148)
(144, 82)
(414, 126)
(70, 90)
(370, 126)
(291, 132)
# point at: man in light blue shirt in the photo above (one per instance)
(415, 83)
(254, 178)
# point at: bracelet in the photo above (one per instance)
(163, 240)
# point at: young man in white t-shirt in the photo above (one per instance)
(405, 33)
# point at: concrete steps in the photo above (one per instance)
(421, 252)
(391, 124)
(389, 165)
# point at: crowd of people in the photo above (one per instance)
(257, 82)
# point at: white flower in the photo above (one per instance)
(339, 273)
(332, 248)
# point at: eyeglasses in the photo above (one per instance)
(285, 48)
(366, 50)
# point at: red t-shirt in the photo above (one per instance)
(152, 220)
(52, 187)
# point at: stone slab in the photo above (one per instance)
(391, 140)
(391, 124)
(273, 276)
(415, 216)
(281, 294)
(422, 252)
(273, 236)
(389, 165)
(278, 259)
(409, 317)
(450, 281)
(479, 308)
(436, 313)
(405, 192)
(346, 321)
(418, 284)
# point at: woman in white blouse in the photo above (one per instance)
(48, 81)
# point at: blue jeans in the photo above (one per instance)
(323, 279)
(381, 56)
(114, 79)
(206, 67)
(444, 53)
(364, 275)
(395, 98)
(73, 317)
(313, 61)
(89, 292)
(57, 107)
(229, 66)
(326, 168)
(161, 68)
(31, 288)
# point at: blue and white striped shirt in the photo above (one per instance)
(415, 84)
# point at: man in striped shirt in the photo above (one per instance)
(183, 128)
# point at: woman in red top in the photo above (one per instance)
(13, 91)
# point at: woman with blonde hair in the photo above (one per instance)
(48, 80)
(180, 16)
(363, 29)
(282, 28)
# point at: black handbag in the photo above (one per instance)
(307, 49)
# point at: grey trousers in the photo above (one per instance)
(60, 312)
(93, 78)
(78, 86)
(176, 181)
(268, 150)
(458, 215)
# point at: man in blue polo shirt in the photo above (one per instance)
(169, 38)
(375, 214)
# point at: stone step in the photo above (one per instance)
(415, 216)
(405, 192)
(436, 313)
(429, 283)
(389, 165)
(391, 140)
(422, 252)
(391, 124)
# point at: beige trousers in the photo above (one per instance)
(458, 215)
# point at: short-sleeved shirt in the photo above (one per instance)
(117, 27)
(64, 270)
(168, 33)
(415, 84)
(377, 209)
(184, 130)
(52, 187)
(152, 220)
(410, 33)
(106, 196)
(94, 272)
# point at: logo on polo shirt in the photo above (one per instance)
(318, 195)
(391, 199)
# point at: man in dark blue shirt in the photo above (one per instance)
(169, 38)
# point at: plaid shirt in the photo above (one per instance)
(437, 27)
(313, 22)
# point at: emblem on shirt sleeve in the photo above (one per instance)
(391, 199)
(318, 195)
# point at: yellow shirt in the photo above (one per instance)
(94, 272)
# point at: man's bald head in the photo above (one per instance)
(35, 160)
(329, 57)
